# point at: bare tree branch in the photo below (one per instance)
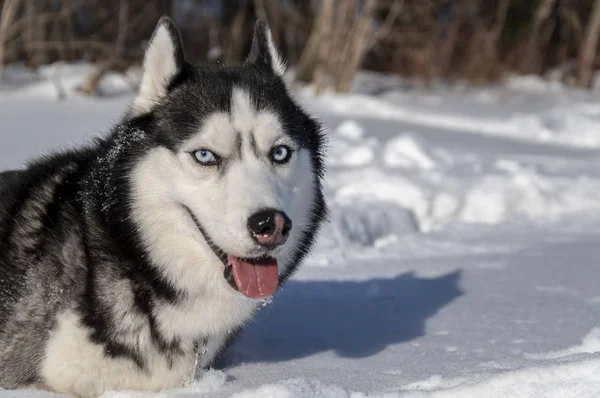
(9, 8)
(589, 46)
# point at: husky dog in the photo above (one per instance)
(124, 263)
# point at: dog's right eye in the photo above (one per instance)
(206, 157)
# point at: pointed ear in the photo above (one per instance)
(263, 52)
(163, 61)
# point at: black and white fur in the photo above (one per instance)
(106, 280)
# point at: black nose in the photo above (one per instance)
(270, 227)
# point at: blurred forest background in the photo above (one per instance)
(324, 41)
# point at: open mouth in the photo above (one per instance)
(253, 277)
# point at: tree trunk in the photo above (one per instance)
(531, 62)
(233, 52)
(28, 32)
(308, 60)
(9, 8)
(324, 48)
(587, 52)
(356, 53)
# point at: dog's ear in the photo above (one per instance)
(263, 52)
(163, 61)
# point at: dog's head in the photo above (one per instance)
(228, 196)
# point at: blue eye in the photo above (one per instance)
(206, 157)
(281, 154)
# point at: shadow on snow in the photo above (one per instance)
(355, 319)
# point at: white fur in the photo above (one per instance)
(76, 366)
(277, 62)
(160, 67)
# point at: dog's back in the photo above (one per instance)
(11, 182)
(34, 282)
(12, 185)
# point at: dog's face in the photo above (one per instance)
(229, 195)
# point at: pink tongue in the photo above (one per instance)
(256, 278)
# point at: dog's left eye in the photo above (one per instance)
(206, 157)
(281, 154)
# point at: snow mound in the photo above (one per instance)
(298, 388)
(531, 84)
(357, 156)
(589, 345)
(405, 151)
(347, 149)
(497, 198)
(210, 381)
(364, 223)
(351, 130)
(438, 186)
(576, 379)
(28, 394)
(555, 124)
(560, 375)
(61, 80)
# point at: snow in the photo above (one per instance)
(406, 151)
(461, 255)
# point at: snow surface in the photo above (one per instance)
(461, 259)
